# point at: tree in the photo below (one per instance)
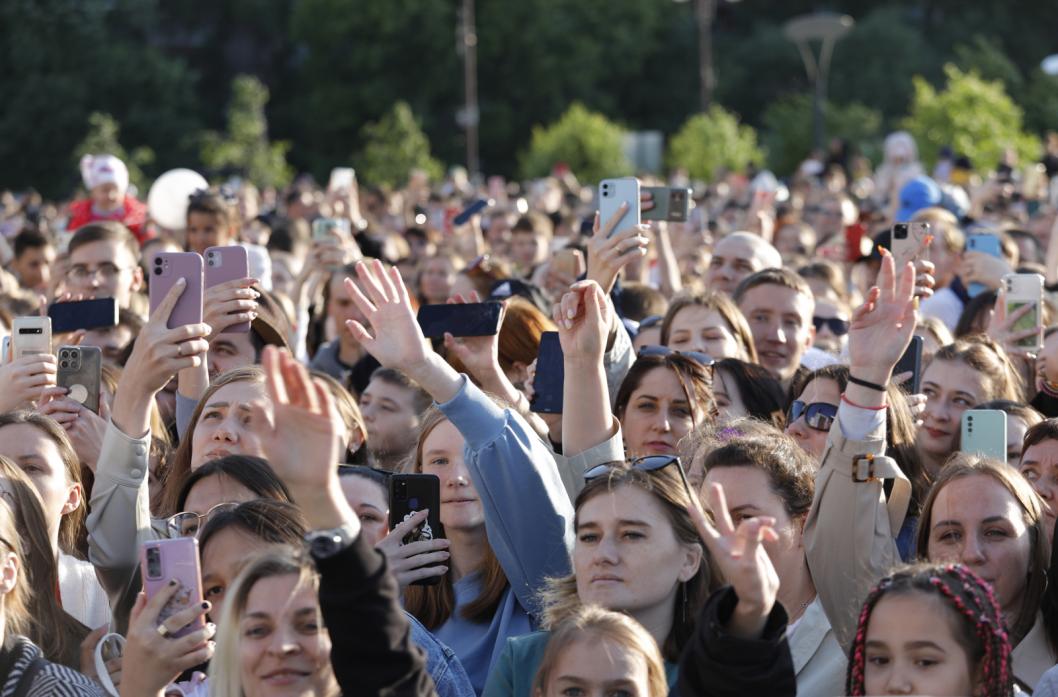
(710, 142)
(1040, 101)
(788, 130)
(103, 138)
(974, 117)
(245, 146)
(393, 146)
(589, 143)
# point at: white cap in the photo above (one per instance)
(97, 170)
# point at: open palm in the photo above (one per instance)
(395, 338)
(882, 326)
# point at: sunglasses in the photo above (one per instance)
(703, 359)
(818, 415)
(650, 322)
(647, 463)
(188, 524)
(838, 326)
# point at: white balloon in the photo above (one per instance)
(168, 197)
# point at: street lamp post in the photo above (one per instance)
(469, 116)
(705, 16)
(826, 28)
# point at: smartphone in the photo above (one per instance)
(225, 264)
(984, 432)
(80, 372)
(409, 493)
(614, 192)
(1026, 289)
(671, 204)
(342, 178)
(30, 335)
(911, 361)
(907, 242)
(463, 217)
(168, 268)
(982, 242)
(164, 560)
(468, 319)
(566, 262)
(83, 314)
(550, 373)
(6, 350)
(322, 229)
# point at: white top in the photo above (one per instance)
(819, 662)
(81, 595)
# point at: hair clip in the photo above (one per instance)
(728, 432)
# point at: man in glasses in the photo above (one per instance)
(103, 262)
(778, 304)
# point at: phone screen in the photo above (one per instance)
(1025, 323)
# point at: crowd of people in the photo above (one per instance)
(738, 496)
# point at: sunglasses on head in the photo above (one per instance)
(647, 463)
(818, 415)
(838, 326)
(703, 359)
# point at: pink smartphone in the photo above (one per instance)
(225, 264)
(166, 269)
(164, 560)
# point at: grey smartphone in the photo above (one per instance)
(671, 204)
(984, 431)
(80, 372)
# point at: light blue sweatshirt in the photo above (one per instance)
(528, 519)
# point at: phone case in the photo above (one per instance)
(166, 270)
(83, 314)
(671, 204)
(163, 560)
(467, 319)
(409, 493)
(1026, 289)
(984, 432)
(989, 244)
(321, 229)
(225, 264)
(614, 192)
(550, 374)
(911, 360)
(906, 241)
(30, 335)
(80, 371)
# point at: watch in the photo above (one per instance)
(324, 544)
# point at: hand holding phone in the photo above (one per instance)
(416, 545)
(619, 204)
(459, 320)
(30, 336)
(168, 268)
(671, 204)
(1021, 300)
(909, 243)
(229, 302)
(171, 568)
(80, 372)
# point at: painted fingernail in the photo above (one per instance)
(914, 302)
(173, 582)
(571, 313)
(205, 605)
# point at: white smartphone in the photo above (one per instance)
(30, 335)
(614, 192)
(907, 241)
(1023, 289)
(342, 178)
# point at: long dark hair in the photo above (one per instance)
(253, 473)
(760, 391)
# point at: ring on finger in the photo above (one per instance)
(163, 631)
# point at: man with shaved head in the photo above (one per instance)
(737, 256)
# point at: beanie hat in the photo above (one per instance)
(97, 170)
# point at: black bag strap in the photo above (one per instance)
(25, 682)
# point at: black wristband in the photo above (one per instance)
(869, 385)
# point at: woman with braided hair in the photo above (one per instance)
(901, 648)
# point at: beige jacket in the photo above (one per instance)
(819, 662)
(849, 537)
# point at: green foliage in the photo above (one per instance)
(985, 57)
(588, 142)
(972, 116)
(788, 130)
(710, 142)
(245, 146)
(395, 145)
(103, 138)
(1040, 101)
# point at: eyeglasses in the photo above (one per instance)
(188, 523)
(838, 326)
(818, 415)
(82, 273)
(703, 359)
(647, 463)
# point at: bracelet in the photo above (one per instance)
(860, 406)
(869, 385)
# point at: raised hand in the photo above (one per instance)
(743, 561)
(584, 319)
(23, 381)
(395, 340)
(479, 354)
(84, 427)
(882, 326)
(228, 303)
(609, 252)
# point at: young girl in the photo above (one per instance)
(598, 652)
(931, 630)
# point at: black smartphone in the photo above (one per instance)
(409, 493)
(83, 314)
(469, 212)
(550, 372)
(467, 319)
(911, 360)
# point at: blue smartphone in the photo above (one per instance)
(469, 212)
(982, 242)
(984, 432)
(550, 373)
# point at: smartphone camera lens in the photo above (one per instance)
(157, 272)
(157, 261)
(64, 364)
